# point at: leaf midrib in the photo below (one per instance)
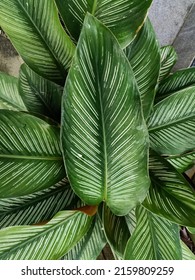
(34, 237)
(45, 158)
(171, 123)
(60, 66)
(11, 103)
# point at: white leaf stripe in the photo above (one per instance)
(182, 162)
(10, 98)
(144, 56)
(58, 237)
(37, 207)
(104, 136)
(45, 46)
(177, 81)
(30, 155)
(154, 238)
(168, 60)
(123, 17)
(170, 195)
(91, 245)
(172, 124)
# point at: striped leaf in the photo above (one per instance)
(170, 195)
(172, 124)
(35, 31)
(40, 96)
(104, 137)
(175, 82)
(168, 60)
(91, 245)
(36, 207)
(144, 56)
(191, 230)
(10, 98)
(131, 220)
(58, 236)
(124, 18)
(154, 238)
(30, 155)
(183, 162)
(186, 252)
(116, 231)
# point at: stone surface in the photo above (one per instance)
(168, 17)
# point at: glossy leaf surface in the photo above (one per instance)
(182, 162)
(168, 60)
(104, 137)
(172, 123)
(123, 18)
(35, 31)
(58, 236)
(154, 238)
(30, 155)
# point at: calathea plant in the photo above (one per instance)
(95, 134)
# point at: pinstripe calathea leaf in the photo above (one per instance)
(154, 238)
(168, 60)
(59, 235)
(123, 17)
(30, 154)
(104, 137)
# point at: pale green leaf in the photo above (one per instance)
(36, 207)
(104, 137)
(123, 17)
(170, 195)
(58, 236)
(30, 154)
(144, 56)
(186, 252)
(40, 96)
(116, 231)
(154, 238)
(182, 162)
(91, 245)
(172, 123)
(10, 98)
(168, 60)
(131, 220)
(34, 29)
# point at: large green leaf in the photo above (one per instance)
(104, 137)
(91, 245)
(124, 18)
(35, 31)
(40, 96)
(154, 238)
(36, 207)
(30, 155)
(172, 124)
(116, 231)
(179, 80)
(58, 237)
(144, 56)
(168, 60)
(183, 162)
(10, 98)
(170, 195)
(186, 252)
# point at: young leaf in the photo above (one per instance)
(91, 245)
(144, 56)
(34, 29)
(123, 18)
(10, 98)
(168, 60)
(170, 195)
(40, 96)
(154, 238)
(30, 154)
(58, 236)
(36, 207)
(175, 82)
(172, 123)
(104, 137)
(116, 231)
